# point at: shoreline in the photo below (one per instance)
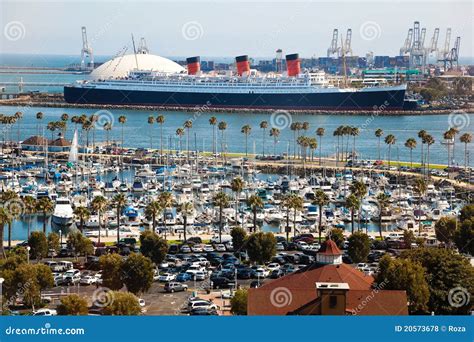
(57, 101)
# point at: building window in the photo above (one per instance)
(332, 301)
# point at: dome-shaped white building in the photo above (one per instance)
(122, 65)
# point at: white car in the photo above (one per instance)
(45, 312)
(262, 272)
(88, 280)
(220, 248)
(202, 304)
(208, 248)
(141, 302)
(280, 247)
(166, 277)
(200, 275)
(273, 266)
(156, 275)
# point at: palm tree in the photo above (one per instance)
(383, 201)
(83, 214)
(379, 134)
(454, 131)
(44, 206)
(320, 133)
(390, 140)
(213, 123)
(428, 140)
(353, 204)
(153, 209)
(255, 202)
(296, 204)
(355, 131)
(180, 133)
(93, 120)
(186, 209)
(286, 203)
(151, 121)
(220, 200)
(321, 199)
(420, 188)
(466, 138)
(275, 133)
(237, 185)
(29, 205)
(294, 128)
(188, 124)
(305, 126)
(5, 218)
(337, 133)
(246, 130)
(87, 126)
(421, 135)
(160, 119)
(166, 201)
(222, 126)
(39, 117)
(122, 120)
(10, 199)
(18, 116)
(119, 201)
(52, 126)
(303, 142)
(411, 144)
(65, 119)
(99, 204)
(359, 190)
(263, 127)
(107, 128)
(313, 144)
(448, 136)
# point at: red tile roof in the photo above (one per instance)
(329, 247)
(292, 291)
(374, 302)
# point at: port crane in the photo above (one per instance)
(86, 52)
(453, 55)
(346, 49)
(405, 49)
(333, 49)
(142, 47)
(433, 48)
(417, 50)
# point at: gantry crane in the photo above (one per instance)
(86, 52)
(333, 49)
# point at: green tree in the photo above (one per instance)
(119, 201)
(99, 205)
(220, 200)
(238, 303)
(353, 204)
(337, 235)
(378, 134)
(53, 242)
(239, 236)
(383, 202)
(261, 247)
(359, 247)
(445, 229)
(255, 202)
(263, 127)
(403, 274)
(38, 244)
(467, 212)
(73, 305)
(111, 266)
(464, 237)
(80, 244)
(321, 199)
(153, 246)
(152, 210)
(123, 304)
(408, 238)
(246, 129)
(83, 214)
(45, 206)
(5, 218)
(186, 209)
(445, 271)
(137, 273)
(420, 187)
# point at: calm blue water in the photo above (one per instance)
(137, 131)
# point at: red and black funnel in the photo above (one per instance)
(243, 64)
(293, 66)
(194, 65)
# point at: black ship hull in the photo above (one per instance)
(360, 100)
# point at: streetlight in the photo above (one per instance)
(28, 248)
(1, 295)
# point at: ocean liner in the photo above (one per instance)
(246, 89)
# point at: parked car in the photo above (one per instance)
(175, 287)
(166, 277)
(182, 277)
(88, 280)
(45, 312)
(222, 283)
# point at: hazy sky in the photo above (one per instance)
(226, 28)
